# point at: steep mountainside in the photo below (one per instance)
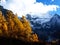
(48, 30)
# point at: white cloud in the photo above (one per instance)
(22, 7)
(2, 2)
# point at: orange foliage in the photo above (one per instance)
(14, 27)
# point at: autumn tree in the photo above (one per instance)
(28, 35)
(3, 24)
(12, 26)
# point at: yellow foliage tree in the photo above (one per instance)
(14, 27)
(29, 36)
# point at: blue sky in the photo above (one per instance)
(57, 2)
(51, 2)
(41, 8)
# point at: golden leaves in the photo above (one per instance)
(14, 27)
(0, 31)
(5, 26)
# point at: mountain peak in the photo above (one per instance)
(55, 20)
(56, 15)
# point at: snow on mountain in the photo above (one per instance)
(46, 28)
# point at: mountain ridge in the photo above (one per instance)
(49, 28)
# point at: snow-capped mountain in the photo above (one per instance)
(46, 28)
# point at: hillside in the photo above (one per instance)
(13, 27)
